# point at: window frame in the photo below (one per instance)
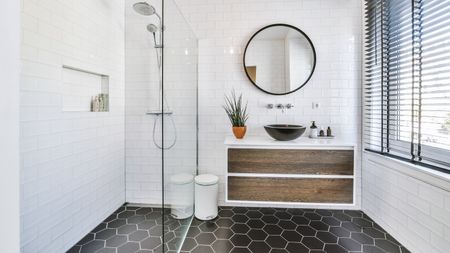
(440, 159)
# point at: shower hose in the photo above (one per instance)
(157, 118)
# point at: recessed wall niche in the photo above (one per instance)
(84, 90)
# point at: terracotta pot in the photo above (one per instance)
(239, 132)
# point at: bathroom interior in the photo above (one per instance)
(147, 126)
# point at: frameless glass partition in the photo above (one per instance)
(161, 119)
(180, 56)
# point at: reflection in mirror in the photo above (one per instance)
(279, 59)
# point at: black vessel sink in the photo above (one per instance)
(283, 132)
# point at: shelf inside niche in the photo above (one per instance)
(79, 86)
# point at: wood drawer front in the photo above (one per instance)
(291, 161)
(290, 190)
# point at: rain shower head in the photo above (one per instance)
(144, 8)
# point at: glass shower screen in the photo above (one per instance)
(179, 132)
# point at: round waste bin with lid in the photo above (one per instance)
(206, 190)
(182, 195)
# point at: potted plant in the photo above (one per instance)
(237, 113)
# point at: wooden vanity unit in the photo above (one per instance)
(304, 171)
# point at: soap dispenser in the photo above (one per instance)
(313, 132)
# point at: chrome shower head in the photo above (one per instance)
(152, 28)
(144, 8)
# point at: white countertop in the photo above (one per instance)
(302, 142)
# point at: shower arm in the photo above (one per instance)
(160, 18)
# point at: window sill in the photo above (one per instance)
(430, 176)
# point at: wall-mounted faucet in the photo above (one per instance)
(284, 107)
(280, 106)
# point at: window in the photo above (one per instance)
(407, 80)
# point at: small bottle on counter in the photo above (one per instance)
(313, 130)
(329, 134)
(322, 132)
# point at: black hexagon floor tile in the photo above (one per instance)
(287, 224)
(259, 247)
(276, 241)
(240, 240)
(224, 222)
(326, 237)
(223, 233)
(257, 234)
(277, 230)
(133, 229)
(116, 241)
(291, 236)
(205, 238)
(224, 246)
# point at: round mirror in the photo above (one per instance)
(279, 59)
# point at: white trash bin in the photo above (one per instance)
(182, 195)
(206, 190)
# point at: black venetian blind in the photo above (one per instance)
(407, 80)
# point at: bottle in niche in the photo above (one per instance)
(101, 104)
(106, 102)
(96, 104)
(322, 132)
(313, 130)
(329, 134)
(92, 103)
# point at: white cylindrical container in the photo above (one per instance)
(206, 191)
(182, 195)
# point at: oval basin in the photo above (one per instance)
(285, 132)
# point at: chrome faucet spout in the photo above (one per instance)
(281, 106)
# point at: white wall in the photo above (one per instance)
(412, 206)
(143, 158)
(72, 166)
(223, 29)
(9, 126)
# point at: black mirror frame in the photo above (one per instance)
(298, 30)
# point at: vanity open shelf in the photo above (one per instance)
(303, 171)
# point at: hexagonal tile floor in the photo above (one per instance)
(240, 230)
(133, 229)
(277, 230)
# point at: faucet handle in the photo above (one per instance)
(289, 106)
(280, 106)
(269, 106)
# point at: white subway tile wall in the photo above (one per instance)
(224, 27)
(415, 212)
(143, 158)
(72, 165)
